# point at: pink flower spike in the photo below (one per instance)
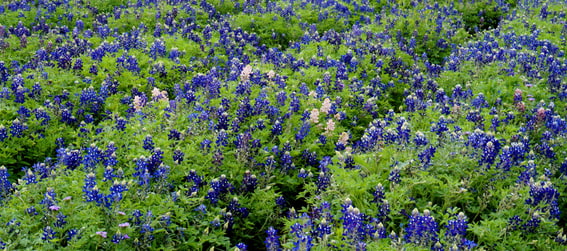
(121, 213)
(125, 236)
(54, 208)
(102, 234)
(68, 198)
(125, 224)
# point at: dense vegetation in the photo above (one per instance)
(283, 125)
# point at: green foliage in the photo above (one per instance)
(348, 71)
(479, 16)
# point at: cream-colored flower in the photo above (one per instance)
(314, 117)
(138, 103)
(343, 138)
(246, 72)
(271, 74)
(326, 107)
(330, 126)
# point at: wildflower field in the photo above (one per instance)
(283, 125)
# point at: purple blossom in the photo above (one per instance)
(272, 240)
(422, 229)
(3, 133)
(249, 182)
(17, 128)
(48, 234)
(5, 185)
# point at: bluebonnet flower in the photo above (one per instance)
(206, 144)
(382, 204)
(196, 179)
(249, 182)
(544, 193)
(155, 160)
(3, 133)
(505, 159)
(147, 232)
(272, 240)
(42, 115)
(394, 176)
(491, 149)
(379, 194)
(349, 162)
(43, 170)
(67, 117)
(91, 190)
(563, 167)
(353, 223)
(118, 237)
(216, 222)
(234, 207)
(323, 182)
(19, 94)
(5, 185)
(532, 224)
(174, 134)
(92, 157)
(121, 124)
(136, 217)
(17, 128)
(174, 54)
(108, 174)
(78, 64)
(324, 163)
(223, 121)
(116, 191)
(148, 143)
(91, 100)
(31, 211)
(276, 128)
(302, 240)
(202, 209)
(157, 49)
(11, 225)
(422, 229)
(281, 202)
(323, 139)
(441, 126)
(60, 220)
(48, 234)
(561, 237)
(295, 103)
(303, 132)
(420, 139)
(93, 69)
(242, 144)
(29, 177)
(287, 161)
(109, 155)
(529, 173)
(24, 113)
(241, 247)
(323, 229)
(222, 138)
(479, 102)
(426, 155)
(403, 132)
(218, 188)
(457, 230)
(303, 174)
(178, 156)
(36, 91)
